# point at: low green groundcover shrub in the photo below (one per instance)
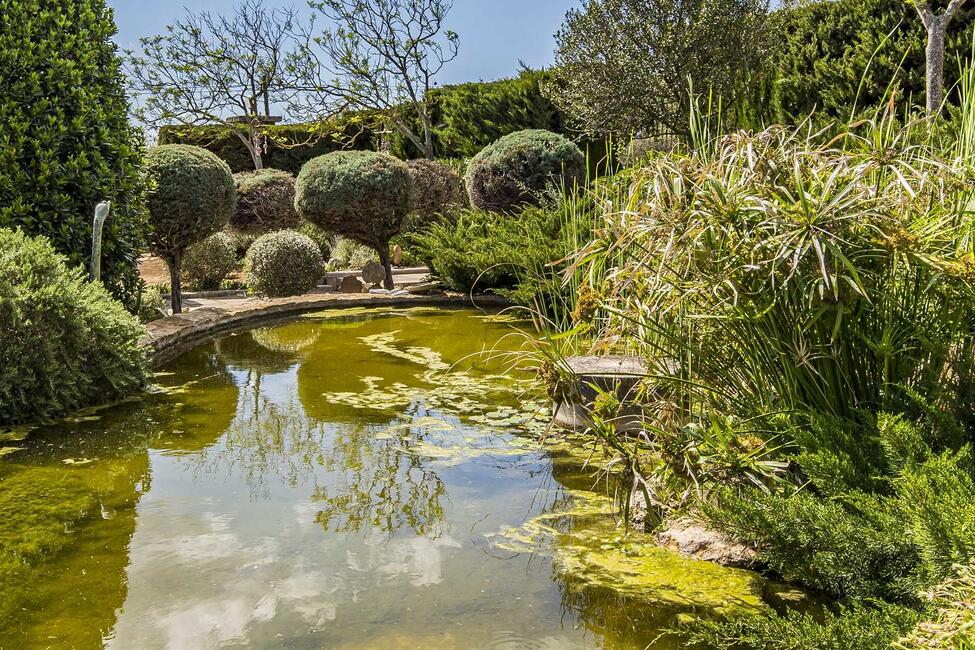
(65, 344)
(519, 168)
(486, 251)
(283, 263)
(206, 264)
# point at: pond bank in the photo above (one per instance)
(168, 337)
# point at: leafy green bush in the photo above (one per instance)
(349, 255)
(863, 626)
(283, 263)
(323, 239)
(436, 189)
(519, 167)
(151, 304)
(65, 344)
(66, 142)
(191, 197)
(265, 202)
(360, 195)
(207, 263)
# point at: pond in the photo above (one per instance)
(354, 479)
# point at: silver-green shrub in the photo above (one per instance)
(207, 263)
(517, 169)
(283, 263)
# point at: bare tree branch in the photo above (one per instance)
(384, 54)
(230, 70)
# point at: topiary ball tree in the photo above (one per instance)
(265, 202)
(361, 195)
(515, 170)
(436, 188)
(283, 263)
(191, 196)
(65, 343)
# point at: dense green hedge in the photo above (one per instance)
(466, 118)
(289, 147)
(64, 342)
(822, 51)
(65, 138)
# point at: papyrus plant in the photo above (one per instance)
(782, 270)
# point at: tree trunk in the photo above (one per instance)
(427, 136)
(935, 64)
(175, 285)
(384, 260)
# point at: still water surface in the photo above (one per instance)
(350, 480)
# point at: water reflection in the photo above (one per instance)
(351, 481)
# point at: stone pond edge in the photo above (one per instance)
(169, 337)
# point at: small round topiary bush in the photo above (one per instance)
(283, 263)
(207, 263)
(362, 195)
(265, 202)
(516, 169)
(191, 197)
(65, 344)
(436, 189)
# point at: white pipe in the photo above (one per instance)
(101, 215)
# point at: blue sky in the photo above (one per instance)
(494, 34)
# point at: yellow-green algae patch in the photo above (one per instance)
(589, 546)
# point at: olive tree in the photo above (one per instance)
(191, 196)
(384, 55)
(231, 70)
(361, 195)
(624, 66)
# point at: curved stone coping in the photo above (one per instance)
(168, 337)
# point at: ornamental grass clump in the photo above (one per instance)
(283, 263)
(191, 197)
(207, 263)
(780, 271)
(361, 195)
(520, 168)
(65, 344)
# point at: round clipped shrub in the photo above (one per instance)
(208, 262)
(265, 202)
(191, 197)
(283, 263)
(361, 195)
(65, 344)
(516, 169)
(436, 188)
